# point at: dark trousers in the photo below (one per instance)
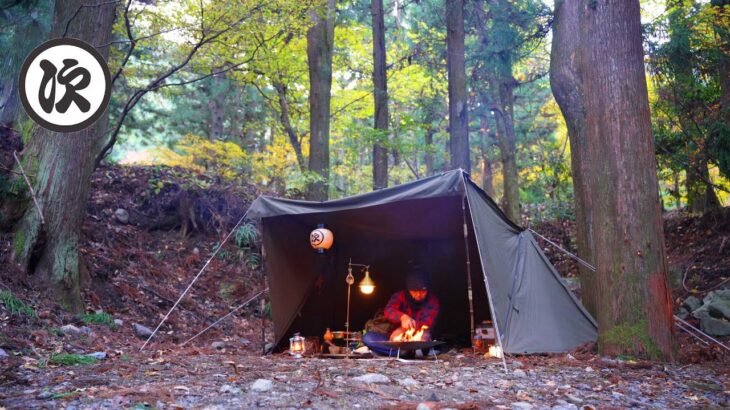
(371, 337)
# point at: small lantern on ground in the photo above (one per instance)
(495, 351)
(296, 345)
(321, 239)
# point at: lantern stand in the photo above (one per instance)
(367, 286)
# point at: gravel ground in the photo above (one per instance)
(212, 380)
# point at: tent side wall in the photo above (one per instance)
(294, 274)
(535, 312)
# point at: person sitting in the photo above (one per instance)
(408, 309)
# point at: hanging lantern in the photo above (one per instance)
(296, 345)
(367, 286)
(321, 239)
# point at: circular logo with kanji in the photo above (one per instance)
(65, 85)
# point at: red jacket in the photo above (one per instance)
(424, 314)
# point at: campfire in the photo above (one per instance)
(411, 335)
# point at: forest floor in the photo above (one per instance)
(138, 261)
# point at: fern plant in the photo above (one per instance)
(246, 235)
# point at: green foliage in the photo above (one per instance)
(632, 338)
(64, 395)
(70, 359)
(246, 235)
(99, 318)
(55, 331)
(262, 106)
(245, 238)
(224, 292)
(689, 120)
(253, 260)
(16, 306)
(214, 158)
(143, 406)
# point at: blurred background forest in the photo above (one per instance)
(237, 106)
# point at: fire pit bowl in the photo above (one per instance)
(409, 346)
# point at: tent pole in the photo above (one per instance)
(263, 326)
(470, 294)
(486, 284)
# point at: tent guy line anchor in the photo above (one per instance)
(681, 324)
(194, 280)
(251, 299)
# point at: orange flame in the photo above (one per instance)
(411, 335)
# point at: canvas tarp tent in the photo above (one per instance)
(421, 222)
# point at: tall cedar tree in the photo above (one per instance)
(29, 23)
(320, 41)
(380, 86)
(60, 167)
(633, 302)
(499, 96)
(458, 118)
(565, 81)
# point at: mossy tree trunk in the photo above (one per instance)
(565, 81)
(60, 167)
(507, 142)
(320, 43)
(26, 25)
(634, 303)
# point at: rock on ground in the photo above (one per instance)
(408, 382)
(262, 385)
(122, 216)
(70, 330)
(376, 378)
(143, 332)
(214, 380)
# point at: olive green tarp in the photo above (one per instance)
(422, 223)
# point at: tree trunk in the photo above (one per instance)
(501, 103)
(508, 149)
(458, 116)
(428, 156)
(30, 24)
(722, 30)
(60, 165)
(487, 173)
(380, 92)
(635, 315)
(216, 105)
(320, 41)
(701, 195)
(565, 81)
(284, 116)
